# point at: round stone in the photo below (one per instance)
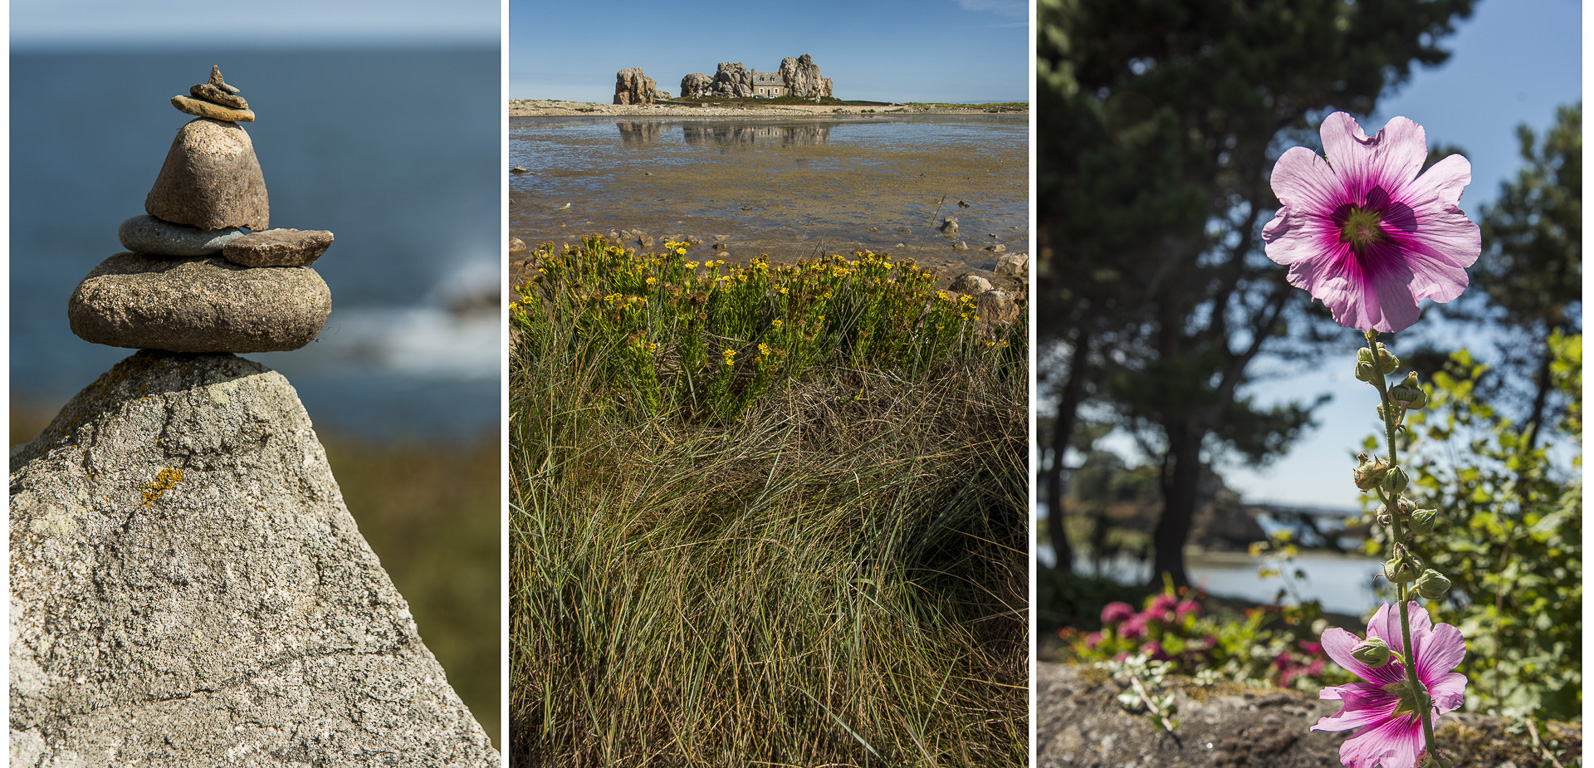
(278, 248)
(211, 179)
(200, 108)
(199, 304)
(153, 237)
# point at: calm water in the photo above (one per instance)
(396, 152)
(788, 187)
(1343, 584)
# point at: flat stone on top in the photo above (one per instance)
(200, 108)
(150, 236)
(200, 304)
(211, 179)
(278, 248)
(217, 96)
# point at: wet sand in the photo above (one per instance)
(788, 189)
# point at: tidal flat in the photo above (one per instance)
(787, 187)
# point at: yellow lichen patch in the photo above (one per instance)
(163, 482)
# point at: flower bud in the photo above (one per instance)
(1370, 472)
(1364, 365)
(1387, 362)
(1422, 520)
(1408, 394)
(1373, 652)
(1395, 480)
(1432, 585)
(1400, 570)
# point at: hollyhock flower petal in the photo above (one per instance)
(1338, 644)
(1438, 651)
(1363, 232)
(1389, 159)
(1365, 704)
(1394, 744)
(1448, 691)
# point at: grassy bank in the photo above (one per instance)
(763, 516)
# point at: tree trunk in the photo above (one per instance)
(1180, 487)
(1062, 430)
(1541, 395)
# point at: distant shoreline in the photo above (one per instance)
(560, 108)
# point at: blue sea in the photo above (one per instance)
(397, 152)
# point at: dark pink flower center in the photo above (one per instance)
(1376, 220)
(1361, 228)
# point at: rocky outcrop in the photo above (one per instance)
(734, 80)
(696, 86)
(633, 87)
(187, 588)
(802, 78)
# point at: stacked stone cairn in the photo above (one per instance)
(204, 273)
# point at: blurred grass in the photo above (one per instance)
(431, 513)
(722, 556)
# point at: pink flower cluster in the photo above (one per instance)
(1308, 662)
(1162, 611)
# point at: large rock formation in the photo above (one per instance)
(799, 75)
(696, 86)
(633, 87)
(734, 80)
(187, 588)
(802, 78)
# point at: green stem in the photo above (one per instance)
(1392, 507)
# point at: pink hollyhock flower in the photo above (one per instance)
(1363, 232)
(1392, 736)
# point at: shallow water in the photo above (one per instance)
(789, 188)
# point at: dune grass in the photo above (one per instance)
(763, 516)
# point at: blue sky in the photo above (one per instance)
(1513, 62)
(175, 23)
(878, 50)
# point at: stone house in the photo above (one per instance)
(768, 85)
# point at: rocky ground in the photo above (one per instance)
(1079, 723)
(559, 108)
